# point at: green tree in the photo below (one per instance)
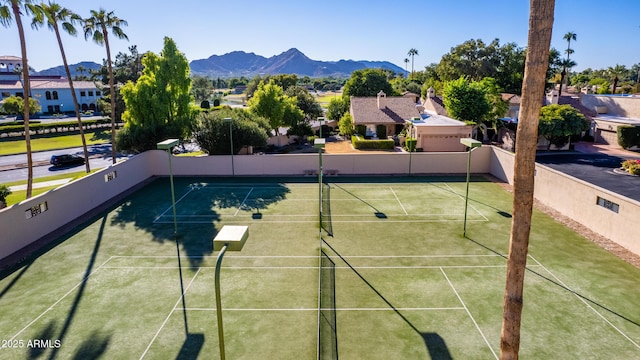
(201, 88)
(615, 73)
(10, 10)
(345, 125)
(305, 102)
(337, 107)
(159, 104)
(406, 63)
(367, 82)
(412, 52)
(473, 59)
(14, 105)
(465, 101)
(493, 93)
(212, 134)
(558, 122)
(55, 17)
(269, 102)
(97, 27)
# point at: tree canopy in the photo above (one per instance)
(14, 105)
(213, 134)
(159, 103)
(558, 122)
(465, 100)
(367, 82)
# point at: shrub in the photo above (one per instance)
(360, 144)
(410, 144)
(4, 192)
(628, 136)
(632, 166)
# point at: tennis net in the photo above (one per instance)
(325, 209)
(327, 329)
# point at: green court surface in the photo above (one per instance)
(399, 280)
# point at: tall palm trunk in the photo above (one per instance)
(112, 92)
(537, 61)
(26, 86)
(74, 96)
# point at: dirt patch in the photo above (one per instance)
(598, 239)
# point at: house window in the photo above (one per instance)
(98, 93)
(92, 107)
(47, 95)
(85, 107)
(55, 95)
(83, 93)
(90, 93)
(20, 94)
(50, 109)
(5, 94)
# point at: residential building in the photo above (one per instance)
(52, 92)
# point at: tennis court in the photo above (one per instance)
(395, 280)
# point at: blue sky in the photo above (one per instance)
(608, 32)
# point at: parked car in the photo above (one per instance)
(66, 160)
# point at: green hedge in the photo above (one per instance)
(410, 144)
(61, 126)
(628, 136)
(362, 144)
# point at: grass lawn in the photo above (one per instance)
(20, 195)
(43, 143)
(326, 98)
(399, 281)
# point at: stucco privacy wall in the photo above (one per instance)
(625, 106)
(67, 203)
(577, 200)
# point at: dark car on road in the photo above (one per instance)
(66, 160)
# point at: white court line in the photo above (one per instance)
(470, 205)
(469, 313)
(315, 221)
(311, 256)
(396, 196)
(589, 305)
(243, 201)
(170, 207)
(169, 316)
(315, 267)
(62, 298)
(316, 309)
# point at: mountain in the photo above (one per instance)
(59, 70)
(292, 61)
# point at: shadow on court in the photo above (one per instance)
(191, 347)
(436, 345)
(556, 283)
(197, 210)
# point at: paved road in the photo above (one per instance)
(14, 166)
(596, 169)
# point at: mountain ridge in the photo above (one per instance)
(240, 63)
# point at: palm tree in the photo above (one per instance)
(412, 52)
(97, 27)
(568, 36)
(566, 64)
(539, 41)
(617, 72)
(406, 63)
(51, 14)
(81, 69)
(6, 16)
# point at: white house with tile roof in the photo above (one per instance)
(52, 92)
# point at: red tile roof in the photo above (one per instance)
(364, 110)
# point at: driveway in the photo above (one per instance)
(596, 167)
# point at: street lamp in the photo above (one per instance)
(167, 145)
(319, 144)
(471, 144)
(232, 238)
(230, 122)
